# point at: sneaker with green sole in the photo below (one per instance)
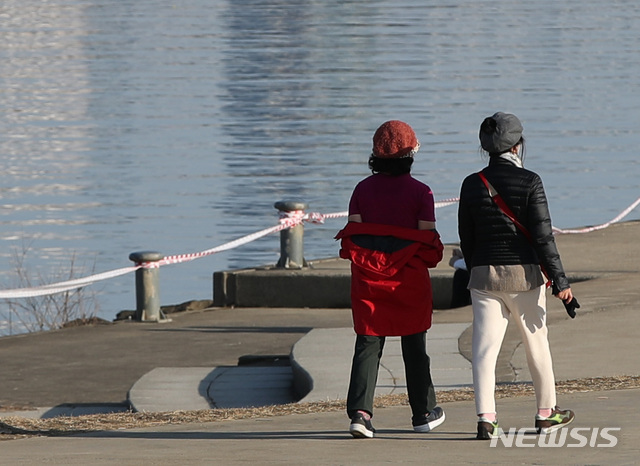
(488, 429)
(559, 418)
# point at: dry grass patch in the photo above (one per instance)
(16, 427)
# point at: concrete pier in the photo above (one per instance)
(197, 357)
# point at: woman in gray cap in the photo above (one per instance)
(506, 238)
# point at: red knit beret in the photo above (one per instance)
(394, 139)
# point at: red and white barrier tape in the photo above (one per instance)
(177, 259)
(64, 286)
(287, 220)
(447, 202)
(622, 215)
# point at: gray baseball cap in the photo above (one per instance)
(500, 132)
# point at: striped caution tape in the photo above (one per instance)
(64, 286)
(622, 215)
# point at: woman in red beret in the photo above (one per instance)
(391, 242)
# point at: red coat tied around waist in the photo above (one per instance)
(390, 284)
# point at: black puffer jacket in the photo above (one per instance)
(488, 237)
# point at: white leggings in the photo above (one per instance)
(491, 311)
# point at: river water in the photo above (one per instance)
(174, 126)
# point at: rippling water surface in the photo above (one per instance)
(175, 126)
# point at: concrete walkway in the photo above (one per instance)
(605, 432)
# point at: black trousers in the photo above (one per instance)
(364, 373)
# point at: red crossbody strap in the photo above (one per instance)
(503, 206)
(507, 211)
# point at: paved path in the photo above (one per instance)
(322, 439)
